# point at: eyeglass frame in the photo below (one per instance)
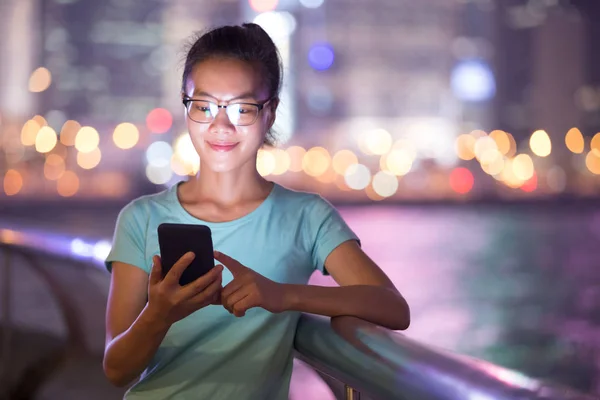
(187, 100)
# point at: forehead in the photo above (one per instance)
(226, 79)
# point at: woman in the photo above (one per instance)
(229, 334)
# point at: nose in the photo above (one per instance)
(221, 123)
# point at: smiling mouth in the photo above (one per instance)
(222, 146)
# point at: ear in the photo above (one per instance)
(272, 107)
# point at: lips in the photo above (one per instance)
(222, 146)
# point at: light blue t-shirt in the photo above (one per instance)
(211, 354)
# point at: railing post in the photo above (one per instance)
(352, 394)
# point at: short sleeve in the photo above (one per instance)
(128, 245)
(327, 230)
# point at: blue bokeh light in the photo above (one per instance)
(473, 80)
(321, 56)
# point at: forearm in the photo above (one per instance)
(376, 304)
(128, 354)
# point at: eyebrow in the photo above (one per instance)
(247, 96)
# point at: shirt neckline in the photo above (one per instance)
(262, 207)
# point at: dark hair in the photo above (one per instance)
(248, 42)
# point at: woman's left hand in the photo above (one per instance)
(249, 289)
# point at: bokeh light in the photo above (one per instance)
(473, 80)
(185, 160)
(89, 160)
(277, 24)
(68, 184)
(357, 176)
(316, 161)
(159, 175)
(399, 161)
(13, 182)
(296, 154)
(522, 167)
(531, 184)
(342, 160)
(556, 179)
(378, 141)
(126, 135)
(159, 154)
(385, 184)
(595, 142)
(45, 140)
(540, 143)
(574, 141)
(265, 162)
(461, 180)
(465, 147)
(68, 132)
(54, 167)
(282, 161)
(40, 80)
(29, 132)
(312, 3)
(159, 120)
(87, 139)
(321, 56)
(502, 140)
(592, 161)
(263, 5)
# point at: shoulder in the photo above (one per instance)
(302, 200)
(141, 207)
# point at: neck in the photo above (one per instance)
(228, 188)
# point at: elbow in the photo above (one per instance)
(115, 377)
(402, 317)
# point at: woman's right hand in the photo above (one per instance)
(170, 301)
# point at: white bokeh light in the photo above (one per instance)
(357, 176)
(159, 154)
(159, 175)
(312, 3)
(276, 23)
(385, 184)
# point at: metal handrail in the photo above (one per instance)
(367, 359)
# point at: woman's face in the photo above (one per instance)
(221, 145)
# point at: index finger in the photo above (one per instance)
(234, 266)
(177, 269)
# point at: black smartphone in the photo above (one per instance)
(174, 240)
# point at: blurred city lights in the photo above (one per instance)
(461, 180)
(89, 160)
(40, 120)
(263, 5)
(277, 24)
(185, 155)
(69, 132)
(540, 143)
(68, 184)
(378, 142)
(342, 160)
(522, 167)
(126, 135)
(87, 139)
(316, 161)
(574, 141)
(40, 80)
(595, 142)
(45, 140)
(502, 140)
(54, 167)
(385, 183)
(465, 147)
(159, 175)
(592, 161)
(312, 3)
(556, 179)
(531, 184)
(159, 154)
(13, 182)
(159, 120)
(265, 162)
(296, 154)
(357, 176)
(282, 161)
(399, 161)
(321, 56)
(473, 80)
(29, 132)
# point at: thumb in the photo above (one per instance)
(232, 265)
(156, 271)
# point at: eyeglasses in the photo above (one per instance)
(240, 114)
